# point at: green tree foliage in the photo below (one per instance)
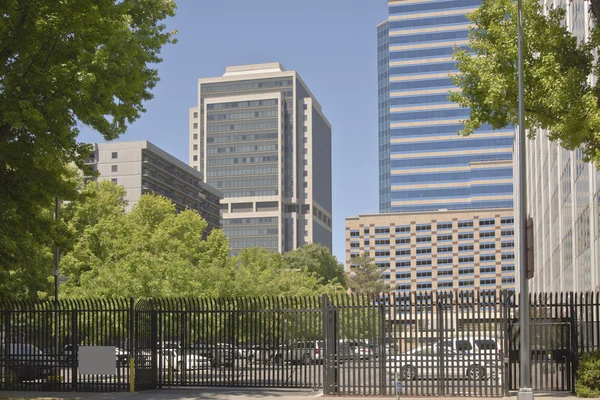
(367, 278)
(64, 64)
(588, 376)
(316, 258)
(154, 252)
(558, 95)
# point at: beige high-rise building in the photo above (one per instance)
(440, 250)
(258, 135)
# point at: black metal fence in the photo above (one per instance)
(417, 344)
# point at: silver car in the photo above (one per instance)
(470, 358)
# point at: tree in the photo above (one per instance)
(64, 64)
(367, 278)
(317, 259)
(150, 251)
(558, 95)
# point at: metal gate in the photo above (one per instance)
(258, 342)
(419, 344)
(552, 355)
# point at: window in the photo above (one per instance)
(403, 241)
(114, 180)
(444, 250)
(404, 252)
(444, 261)
(508, 268)
(195, 147)
(424, 251)
(114, 155)
(465, 236)
(487, 270)
(466, 247)
(354, 233)
(306, 234)
(444, 225)
(403, 264)
(466, 271)
(366, 231)
(401, 229)
(421, 263)
(445, 272)
(466, 259)
(195, 136)
(487, 234)
(465, 224)
(113, 168)
(305, 106)
(488, 282)
(443, 238)
(424, 227)
(508, 232)
(305, 118)
(305, 140)
(466, 283)
(353, 245)
(195, 125)
(382, 241)
(382, 254)
(463, 345)
(487, 257)
(305, 185)
(487, 222)
(424, 274)
(305, 173)
(445, 284)
(507, 221)
(403, 275)
(510, 279)
(382, 230)
(424, 239)
(484, 246)
(305, 129)
(423, 286)
(367, 242)
(403, 287)
(508, 244)
(195, 115)
(195, 158)
(509, 256)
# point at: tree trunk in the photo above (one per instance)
(595, 6)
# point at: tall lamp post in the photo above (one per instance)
(525, 391)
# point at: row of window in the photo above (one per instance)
(240, 104)
(245, 183)
(241, 138)
(242, 115)
(242, 172)
(453, 144)
(243, 149)
(242, 160)
(242, 127)
(490, 189)
(244, 85)
(448, 161)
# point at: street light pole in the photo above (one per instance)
(56, 282)
(525, 391)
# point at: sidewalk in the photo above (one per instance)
(230, 394)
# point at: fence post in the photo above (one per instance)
(154, 343)
(382, 343)
(505, 304)
(440, 349)
(131, 344)
(74, 348)
(330, 367)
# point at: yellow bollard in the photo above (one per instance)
(131, 375)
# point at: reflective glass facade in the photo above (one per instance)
(423, 164)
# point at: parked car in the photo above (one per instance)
(353, 350)
(24, 362)
(308, 352)
(471, 358)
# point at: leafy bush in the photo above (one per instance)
(588, 375)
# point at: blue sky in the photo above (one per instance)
(331, 43)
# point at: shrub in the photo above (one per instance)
(588, 375)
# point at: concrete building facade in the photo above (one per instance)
(444, 250)
(563, 197)
(423, 164)
(141, 167)
(258, 135)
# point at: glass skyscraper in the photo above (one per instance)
(423, 164)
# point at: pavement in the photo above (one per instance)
(231, 394)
